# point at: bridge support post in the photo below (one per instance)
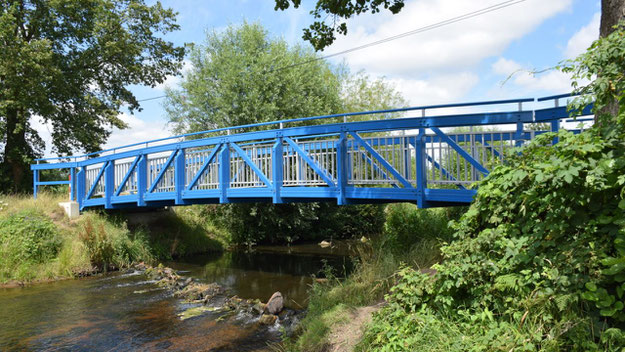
(341, 168)
(420, 172)
(72, 184)
(80, 182)
(142, 179)
(555, 127)
(35, 182)
(519, 134)
(224, 173)
(277, 161)
(109, 184)
(179, 175)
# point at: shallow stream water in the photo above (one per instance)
(126, 311)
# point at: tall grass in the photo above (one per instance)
(38, 242)
(411, 237)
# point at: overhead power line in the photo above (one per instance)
(430, 27)
(460, 18)
(153, 98)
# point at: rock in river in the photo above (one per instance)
(267, 319)
(275, 304)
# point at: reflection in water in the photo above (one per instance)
(259, 274)
(122, 312)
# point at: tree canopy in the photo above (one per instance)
(320, 34)
(241, 75)
(69, 64)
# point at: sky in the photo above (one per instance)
(483, 58)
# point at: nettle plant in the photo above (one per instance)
(538, 261)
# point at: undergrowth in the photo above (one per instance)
(411, 237)
(38, 242)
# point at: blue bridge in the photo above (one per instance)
(429, 155)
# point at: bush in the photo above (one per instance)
(26, 237)
(110, 244)
(407, 226)
(255, 223)
(538, 260)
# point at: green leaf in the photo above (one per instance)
(591, 286)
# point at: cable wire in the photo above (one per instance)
(446, 22)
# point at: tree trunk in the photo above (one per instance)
(15, 151)
(612, 12)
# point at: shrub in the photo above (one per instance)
(538, 256)
(286, 223)
(407, 226)
(110, 244)
(27, 237)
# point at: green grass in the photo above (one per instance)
(38, 242)
(422, 231)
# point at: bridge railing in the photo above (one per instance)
(430, 160)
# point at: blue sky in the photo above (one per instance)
(464, 61)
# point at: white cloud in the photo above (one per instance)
(458, 46)
(527, 81)
(439, 89)
(523, 78)
(581, 40)
(44, 130)
(138, 131)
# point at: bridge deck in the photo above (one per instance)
(432, 160)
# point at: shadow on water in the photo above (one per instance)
(126, 311)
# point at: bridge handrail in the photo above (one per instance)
(282, 122)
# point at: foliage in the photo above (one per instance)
(254, 223)
(360, 92)
(320, 34)
(423, 230)
(407, 226)
(182, 232)
(603, 65)
(26, 238)
(234, 80)
(70, 65)
(538, 254)
(38, 242)
(538, 261)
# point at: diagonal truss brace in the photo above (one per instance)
(163, 170)
(127, 176)
(97, 179)
(251, 164)
(445, 138)
(383, 161)
(204, 167)
(310, 162)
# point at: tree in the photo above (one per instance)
(320, 34)
(361, 93)
(612, 12)
(69, 63)
(242, 76)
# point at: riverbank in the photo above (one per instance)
(38, 243)
(411, 237)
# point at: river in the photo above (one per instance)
(125, 311)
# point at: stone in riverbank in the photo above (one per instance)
(268, 319)
(199, 292)
(275, 304)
